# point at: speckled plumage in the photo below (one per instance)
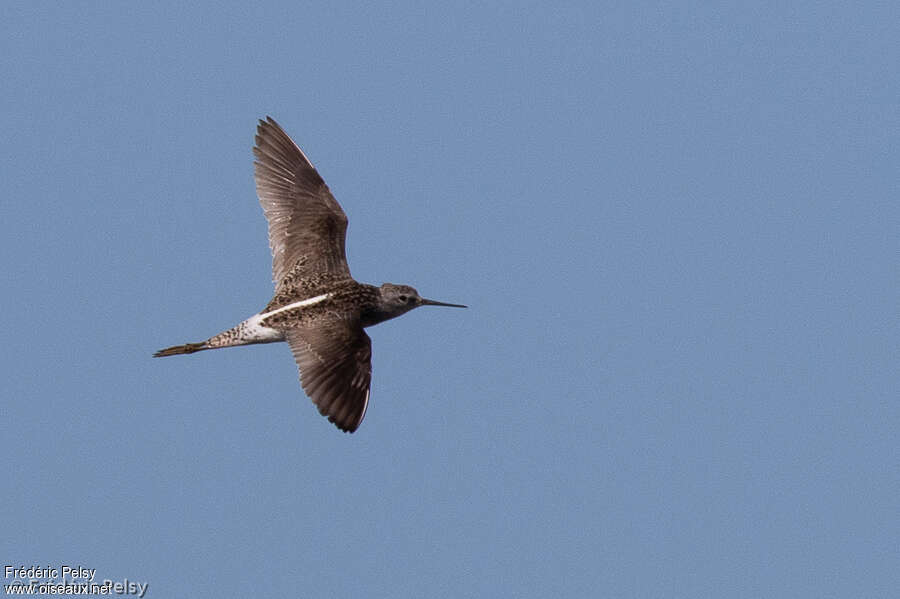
(318, 309)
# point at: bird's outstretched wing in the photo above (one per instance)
(335, 364)
(307, 227)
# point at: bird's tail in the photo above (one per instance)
(245, 333)
(187, 348)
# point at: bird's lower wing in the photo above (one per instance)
(335, 364)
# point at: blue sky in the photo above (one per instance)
(676, 227)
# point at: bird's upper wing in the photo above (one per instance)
(307, 227)
(335, 369)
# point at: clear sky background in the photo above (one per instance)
(675, 224)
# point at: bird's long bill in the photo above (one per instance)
(428, 302)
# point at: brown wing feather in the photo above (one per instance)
(335, 370)
(307, 227)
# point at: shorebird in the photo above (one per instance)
(318, 308)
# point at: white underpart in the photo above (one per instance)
(255, 332)
(300, 304)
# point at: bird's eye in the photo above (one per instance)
(403, 298)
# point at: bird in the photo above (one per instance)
(317, 307)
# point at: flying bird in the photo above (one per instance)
(318, 308)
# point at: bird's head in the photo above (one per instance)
(400, 299)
